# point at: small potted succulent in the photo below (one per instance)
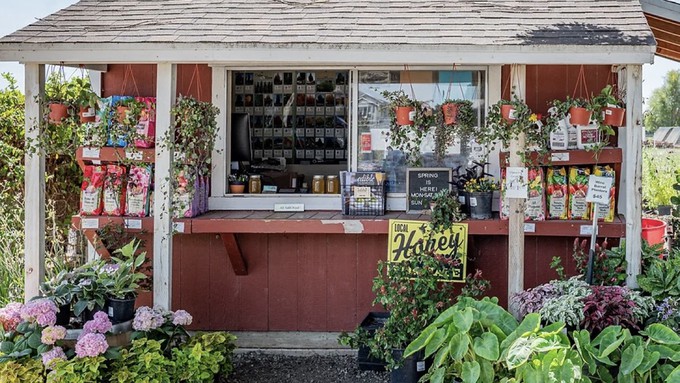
(237, 183)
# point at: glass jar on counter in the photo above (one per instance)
(332, 185)
(319, 184)
(255, 184)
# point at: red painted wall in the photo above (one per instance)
(140, 80)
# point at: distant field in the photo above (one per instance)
(659, 167)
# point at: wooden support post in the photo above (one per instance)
(218, 181)
(162, 229)
(517, 206)
(633, 171)
(234, 254)
(34, 182)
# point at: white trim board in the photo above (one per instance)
(324, 55)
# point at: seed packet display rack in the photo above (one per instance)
(363, 193)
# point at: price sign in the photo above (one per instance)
(598, 189)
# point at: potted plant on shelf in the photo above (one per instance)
(580, 111)
(121, 278)
(407, 135)
(480, 196)
(612, 107)
(237, 183)
(445, 210)
(90, 297)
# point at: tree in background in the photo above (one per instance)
(664, 104)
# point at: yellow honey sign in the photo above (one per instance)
(407, 238)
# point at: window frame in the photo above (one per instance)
(222, 93)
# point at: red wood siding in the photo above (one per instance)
(192, 80)
(317, 282)
(548, 82)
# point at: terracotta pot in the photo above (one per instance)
(613, 116)
(238, 188)
(122, 113)
(450, 111)
(405, 115)
(57, 112)
(508, 113)
(579, 116)
(86, 114)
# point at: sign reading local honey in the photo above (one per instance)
(408, 238)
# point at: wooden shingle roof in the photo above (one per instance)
(348, 23)
(337, 32)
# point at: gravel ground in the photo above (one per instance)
(257, 367)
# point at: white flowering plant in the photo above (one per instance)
(165, 326)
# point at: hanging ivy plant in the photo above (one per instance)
(192, 138)
(408, 138)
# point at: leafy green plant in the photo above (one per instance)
(142, 362)
(204, 356)
(91, 293)
(121, 277)
(609, 265)
(408, 138)
(660, 172)
(21, 371)
(445, 211)
(463, 128)
(662, 278)
(78, 370)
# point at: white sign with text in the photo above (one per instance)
(598, 189)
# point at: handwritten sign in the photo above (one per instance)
(408, 238)
(598, 189)
(422, 184)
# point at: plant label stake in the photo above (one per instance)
(598, 193)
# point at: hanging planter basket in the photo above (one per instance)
(508, 113)
(613, 116)
(58, 112)
(450, 111)
(405, 115)
(579, 116)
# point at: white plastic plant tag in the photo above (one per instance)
(512, 114)
(412, 115)
(420, 366)
(461, 199)
(473, 201)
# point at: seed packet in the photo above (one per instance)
(185, 201)
(114, 190)
(578, 189)
(146, 127)
(91, 190)
(557, 193)
(606, 212)
(535, 207)
(138, 190)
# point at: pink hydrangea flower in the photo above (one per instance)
(49, 358)
(147, 319)
(99, 324)
(43, 311)
(10, 316)
(52, 334)
(91, 345)
(181, 318)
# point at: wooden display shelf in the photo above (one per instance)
(106, 155)
(335, 223)
(89, 225)
(573, 157)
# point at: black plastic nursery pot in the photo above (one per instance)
(121, 310)
(412, 368)
(372, 322)
(64, 315)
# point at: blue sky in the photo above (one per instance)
(19, 13)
